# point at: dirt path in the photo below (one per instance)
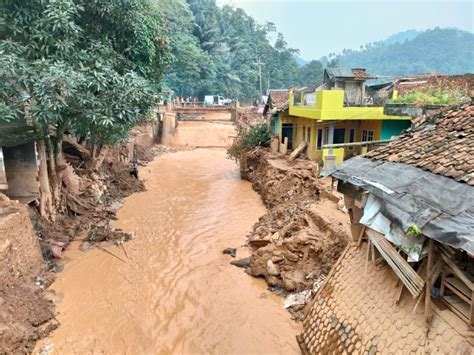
(176, 293)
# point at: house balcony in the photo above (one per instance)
(329, 105)
(335, 154)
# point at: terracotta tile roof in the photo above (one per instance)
(425, 82)
(277, 98)
(441, 142)
(354, 312)
(360, 73)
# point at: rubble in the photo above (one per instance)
(92, 206)
(304, 231)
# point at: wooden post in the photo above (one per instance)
(428, 282)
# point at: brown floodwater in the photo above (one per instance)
(176, 293)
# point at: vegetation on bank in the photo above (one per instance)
(248, 137)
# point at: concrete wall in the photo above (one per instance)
(393, 128)
(21, 167)
(201, 134)
(169, 127)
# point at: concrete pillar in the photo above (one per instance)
(275, 144)
(284, 146)
(169, 127)
(3, 175)
(330, 157)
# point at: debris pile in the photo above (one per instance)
(91, 209)
(248, 116)
(304, 231)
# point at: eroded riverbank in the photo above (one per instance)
(176, 292)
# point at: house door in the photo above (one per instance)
(287, 131)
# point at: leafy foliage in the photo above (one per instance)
(248, 137)
(80, 66)
(414, 231)
(310, 73)
(215, 49)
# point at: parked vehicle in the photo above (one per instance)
(216, 100)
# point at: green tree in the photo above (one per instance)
(65, 68)
(310, 73)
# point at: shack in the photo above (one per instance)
(406, 282)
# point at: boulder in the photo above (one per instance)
(272, 268)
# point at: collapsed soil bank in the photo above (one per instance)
(24, 311)
(304, 230)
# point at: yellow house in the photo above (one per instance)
(337, 120)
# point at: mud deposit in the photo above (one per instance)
(174, 291)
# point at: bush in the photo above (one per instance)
(248, 138)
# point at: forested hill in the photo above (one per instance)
(215, 50)
(449, 51)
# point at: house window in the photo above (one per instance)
(339, 135)
(319, 143)
(367, 135)
(352, 135)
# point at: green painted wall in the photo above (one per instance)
(393, 128)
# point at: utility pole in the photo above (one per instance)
(259, 63)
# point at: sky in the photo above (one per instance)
(318, 28)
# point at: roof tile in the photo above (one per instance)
(441, 142)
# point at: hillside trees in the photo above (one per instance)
(448, 51)
(78, 67)
(215, 49)
(310, 73)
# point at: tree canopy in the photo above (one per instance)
(80, 66)
(215, 50)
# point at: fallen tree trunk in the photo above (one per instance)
(295, 154)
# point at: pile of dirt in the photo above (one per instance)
(304, 231)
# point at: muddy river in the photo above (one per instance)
(176, 293)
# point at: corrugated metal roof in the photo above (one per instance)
(340, 73)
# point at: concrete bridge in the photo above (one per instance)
(201, 127)
(201, 113)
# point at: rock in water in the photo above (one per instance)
(245, 262)
(230, 251)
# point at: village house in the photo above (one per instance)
(276, 109)
(339, 118)
(406, 282)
